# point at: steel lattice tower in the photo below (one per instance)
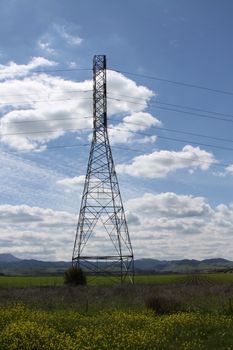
(102, 243)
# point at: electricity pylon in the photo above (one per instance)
(102, 244)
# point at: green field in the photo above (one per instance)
(177, 312)
(42, 281)
(34, 281)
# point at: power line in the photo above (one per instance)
(47, 100)
(43, 120)
(136, 132)
(124, 122)
(175, 105)
(21, 71)
(195, 143)
(58, 90)
(173, 110)
(67, 146)
(51, 148)
(195, 109)
(180, 140)
(61, 70)
(182, 158)
(43, 132)
(181, 83)
(216, 164)
(124, 72)
(196, 134)
(173, 130)
(196, 114)
(122, 100)
(118, 95)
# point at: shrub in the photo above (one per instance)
(162, 305)
(75, 276)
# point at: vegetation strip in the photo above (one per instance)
(28, 329)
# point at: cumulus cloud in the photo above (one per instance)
(137, 120)
(126, 131)
(36, 232)
(172, 226)
(35, 103)
(71, 183)
(171, 205)
(229, 169)
(161, 163)
(162, 226)
(10, 214)
(12, 69)
(117, 82)
(40, 103)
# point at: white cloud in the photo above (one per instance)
(172, 226)
(42, 97)
(71, 183)
(171, 205)
(119, 88)
(228, 171)
(37, 232)
(147, 139)
(126, 130)
(45, 46)
(72, 64)
(125, 96)
(161, 163)
(35, 216)
(12, 69)
(162, 226)
(72, 40)
(55, 104)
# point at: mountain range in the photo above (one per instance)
(11, 265)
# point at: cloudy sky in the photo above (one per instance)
(170, 117)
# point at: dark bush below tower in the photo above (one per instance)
(75, 276)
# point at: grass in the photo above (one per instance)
(42, 281)
(157, 279)
(220, 277)
(192, 292)
(27, 281)
(188, 312)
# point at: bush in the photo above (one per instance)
(162, 305)
(75, 276)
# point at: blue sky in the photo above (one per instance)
(176, 186)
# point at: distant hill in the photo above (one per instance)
(10, 265)
(182, 266)
(8, 258)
